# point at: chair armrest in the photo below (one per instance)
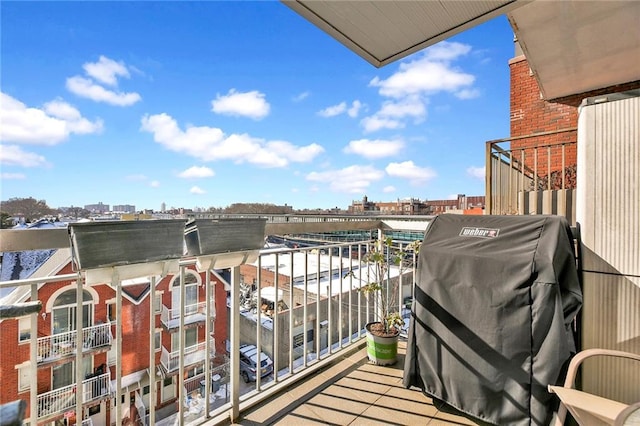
(572, 371)
(581, 356)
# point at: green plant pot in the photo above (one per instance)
(382, 350)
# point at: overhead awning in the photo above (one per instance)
(572, 46)
(578, 46)
(385, 31)
(130, 379)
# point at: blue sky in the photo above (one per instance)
(200, 104)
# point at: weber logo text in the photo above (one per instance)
(479, 232)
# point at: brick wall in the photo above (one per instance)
(531, 114)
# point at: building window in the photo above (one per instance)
(24, 378)
(191, 282)
(158, 340)
(111, 312)
(24, 329)
(157, 302)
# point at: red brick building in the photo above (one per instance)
(57, 342)
(414, 206)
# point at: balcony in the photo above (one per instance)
(535, 174)
(321, 375)
(193, 314)
(351, 391)
(54, 403)
(62, 346)
(192, 355)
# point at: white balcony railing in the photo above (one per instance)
(325, 315)
(61, 345)
(63, 399)
(195, 354)
(195, 312)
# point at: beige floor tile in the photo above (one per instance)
(302, 415)
(378, 415)
(442, 419)
(394, 403)
(352, 392)
(334, 409)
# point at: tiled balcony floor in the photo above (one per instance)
(352, 392)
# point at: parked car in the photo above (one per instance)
(249, 362)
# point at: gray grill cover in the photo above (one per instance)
(490, 327)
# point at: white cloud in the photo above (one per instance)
(197, 190)
(211, 144)
(12, 155)
(86, 88)
(432, 72)
(106, 70)
(302, 154)
(196, 172)
(351, 180)
(354, 110)
(154, 184)
(392, 114)
(333, 110)
(12, 176)
(447, 51)
(476, 172)
(467, 94)
(374, 148)
(375, 123)
(75, 122)
(389, 188)
(47, 126)
(302, 96)
(411, 106)
(341, 108)
(413, 83)
(408, 170)
(249, 104)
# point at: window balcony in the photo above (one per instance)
(56, 347)
(193, 314)
(192, 355)
(53, 404)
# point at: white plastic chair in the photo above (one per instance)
(587, 408)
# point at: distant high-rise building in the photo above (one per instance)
(163, 207)
(124, 208)
(97, 208)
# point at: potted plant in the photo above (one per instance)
(382, 333)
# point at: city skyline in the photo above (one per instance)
(210, 104)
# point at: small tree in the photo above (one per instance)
(384, 290)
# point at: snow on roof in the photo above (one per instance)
(333, 279)
(40, 268)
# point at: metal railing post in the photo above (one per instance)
(235, 344)
(488, 199)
